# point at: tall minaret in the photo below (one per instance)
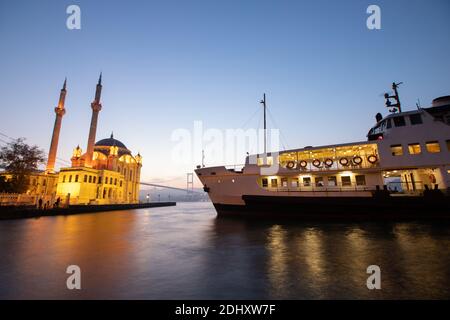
(96, 107)
(60, 111)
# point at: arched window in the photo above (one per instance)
(70, 178)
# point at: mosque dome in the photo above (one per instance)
(104, 144)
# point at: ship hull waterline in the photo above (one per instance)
(339, 208)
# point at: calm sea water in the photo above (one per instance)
(185, 252)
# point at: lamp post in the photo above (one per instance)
(148, 197)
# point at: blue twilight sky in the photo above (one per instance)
(168, 63)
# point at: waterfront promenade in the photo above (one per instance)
(23, 212)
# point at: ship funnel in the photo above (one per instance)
(441, 101)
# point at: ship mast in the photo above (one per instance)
(263, 102)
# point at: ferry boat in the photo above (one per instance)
(402, 170)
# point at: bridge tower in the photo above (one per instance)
(189, 185)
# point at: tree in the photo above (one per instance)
(19, 159)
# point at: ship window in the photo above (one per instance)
(346, 181)
(388, 123)
(76, 178)
(274, 183)
(448, 145)
(360, 180)
(399, 121)
(433, 147)
(319, 181)
(294, 183)
(284, 182)
(306, 181)
(414, 148)
(259, 161)
(332, 181)
(264, 182)
(415, 118)
(397, 150)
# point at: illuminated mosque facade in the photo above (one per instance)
(106, 173)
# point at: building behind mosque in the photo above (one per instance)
(106, 173)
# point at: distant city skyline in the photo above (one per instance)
(168, 64)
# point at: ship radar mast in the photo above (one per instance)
(263, 102)
(396, 107)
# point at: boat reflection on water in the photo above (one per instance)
(185, 252)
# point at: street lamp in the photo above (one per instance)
(148, 197)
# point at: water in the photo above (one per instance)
(185, 252)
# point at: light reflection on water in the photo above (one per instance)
(185, 252)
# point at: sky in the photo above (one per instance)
(167, 64)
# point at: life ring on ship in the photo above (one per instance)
(328, 162)
(372, 158)
(303, 164)
(357, 160)
(290, 165)
(343, 162)
(316, 163)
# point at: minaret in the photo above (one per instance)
(96, 107)
(60, 111)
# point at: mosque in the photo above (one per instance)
(107, 173)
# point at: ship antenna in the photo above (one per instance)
(263, 102)
(418, 104)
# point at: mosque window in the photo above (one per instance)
(93, 179)
(44, 183)
(85, 178)
(64, 178)
(90, 179)
(99, 180)
(110, 180)
(70, 178)
(104, 193)
(131, 174)
(115, 182)
(76, 178)
(120, 182)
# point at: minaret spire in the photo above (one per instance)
(96, 107)
(60, 111)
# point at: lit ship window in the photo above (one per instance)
(274, 183)
(360, 180)
(414, 148)
(433, 147)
